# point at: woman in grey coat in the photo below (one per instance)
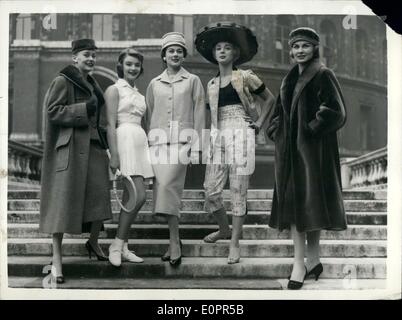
(75, 194)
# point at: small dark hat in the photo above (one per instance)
(239, 35)
(305, 34)
(83, 44)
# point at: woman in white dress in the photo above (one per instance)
(128, 144)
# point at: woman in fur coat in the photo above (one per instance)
(308, 190)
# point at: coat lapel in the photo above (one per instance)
(286, 90)
(73, 75)
(213, 95)
(303, 80)
(182, 74)
(237, 81)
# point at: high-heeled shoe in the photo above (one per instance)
(91, 250)
(166, 256)
(296, 285)
(58, 279)
(176, 262)
(316, 271)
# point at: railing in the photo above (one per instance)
(366, 172)
(24, 163)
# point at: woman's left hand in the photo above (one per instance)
(255, 126)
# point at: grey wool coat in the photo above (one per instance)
(308, 191)
(75, 181)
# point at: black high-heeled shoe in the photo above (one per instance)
(92, 250)
(166, 256)
(59, 279)
(176, 262)
(316, 271)
(296, 285)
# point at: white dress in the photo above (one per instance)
(132, 141)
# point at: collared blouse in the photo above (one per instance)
(132, 105)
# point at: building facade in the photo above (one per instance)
(357, 56)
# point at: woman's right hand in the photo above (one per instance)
(114, 163)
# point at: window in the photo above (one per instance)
(24, 27)
(329, 43)
(102, 27)
(283, 27)
(362, 48)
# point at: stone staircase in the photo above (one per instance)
(358, 253)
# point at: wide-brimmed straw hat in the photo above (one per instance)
(239, 35)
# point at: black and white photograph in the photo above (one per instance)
(199, 150)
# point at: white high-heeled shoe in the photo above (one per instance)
(130, 256)
(116, 252)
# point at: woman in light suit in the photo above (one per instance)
(175, 108)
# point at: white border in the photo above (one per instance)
(297, 7)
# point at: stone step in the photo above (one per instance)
(347, 269)
(197, 248)
(159, 231)
(198, 205)
(196, 283)
(201, 217)
(199, 194)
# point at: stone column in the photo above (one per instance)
(184, 24)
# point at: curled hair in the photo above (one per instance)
(132, 53)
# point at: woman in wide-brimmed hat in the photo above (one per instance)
(175, 109)
(75, 194)
(308, 190)
(128, 145)
(235, 118)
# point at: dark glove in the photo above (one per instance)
(91, 105)
(256, 128)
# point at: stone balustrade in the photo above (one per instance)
(366, 171)
(24, 163)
